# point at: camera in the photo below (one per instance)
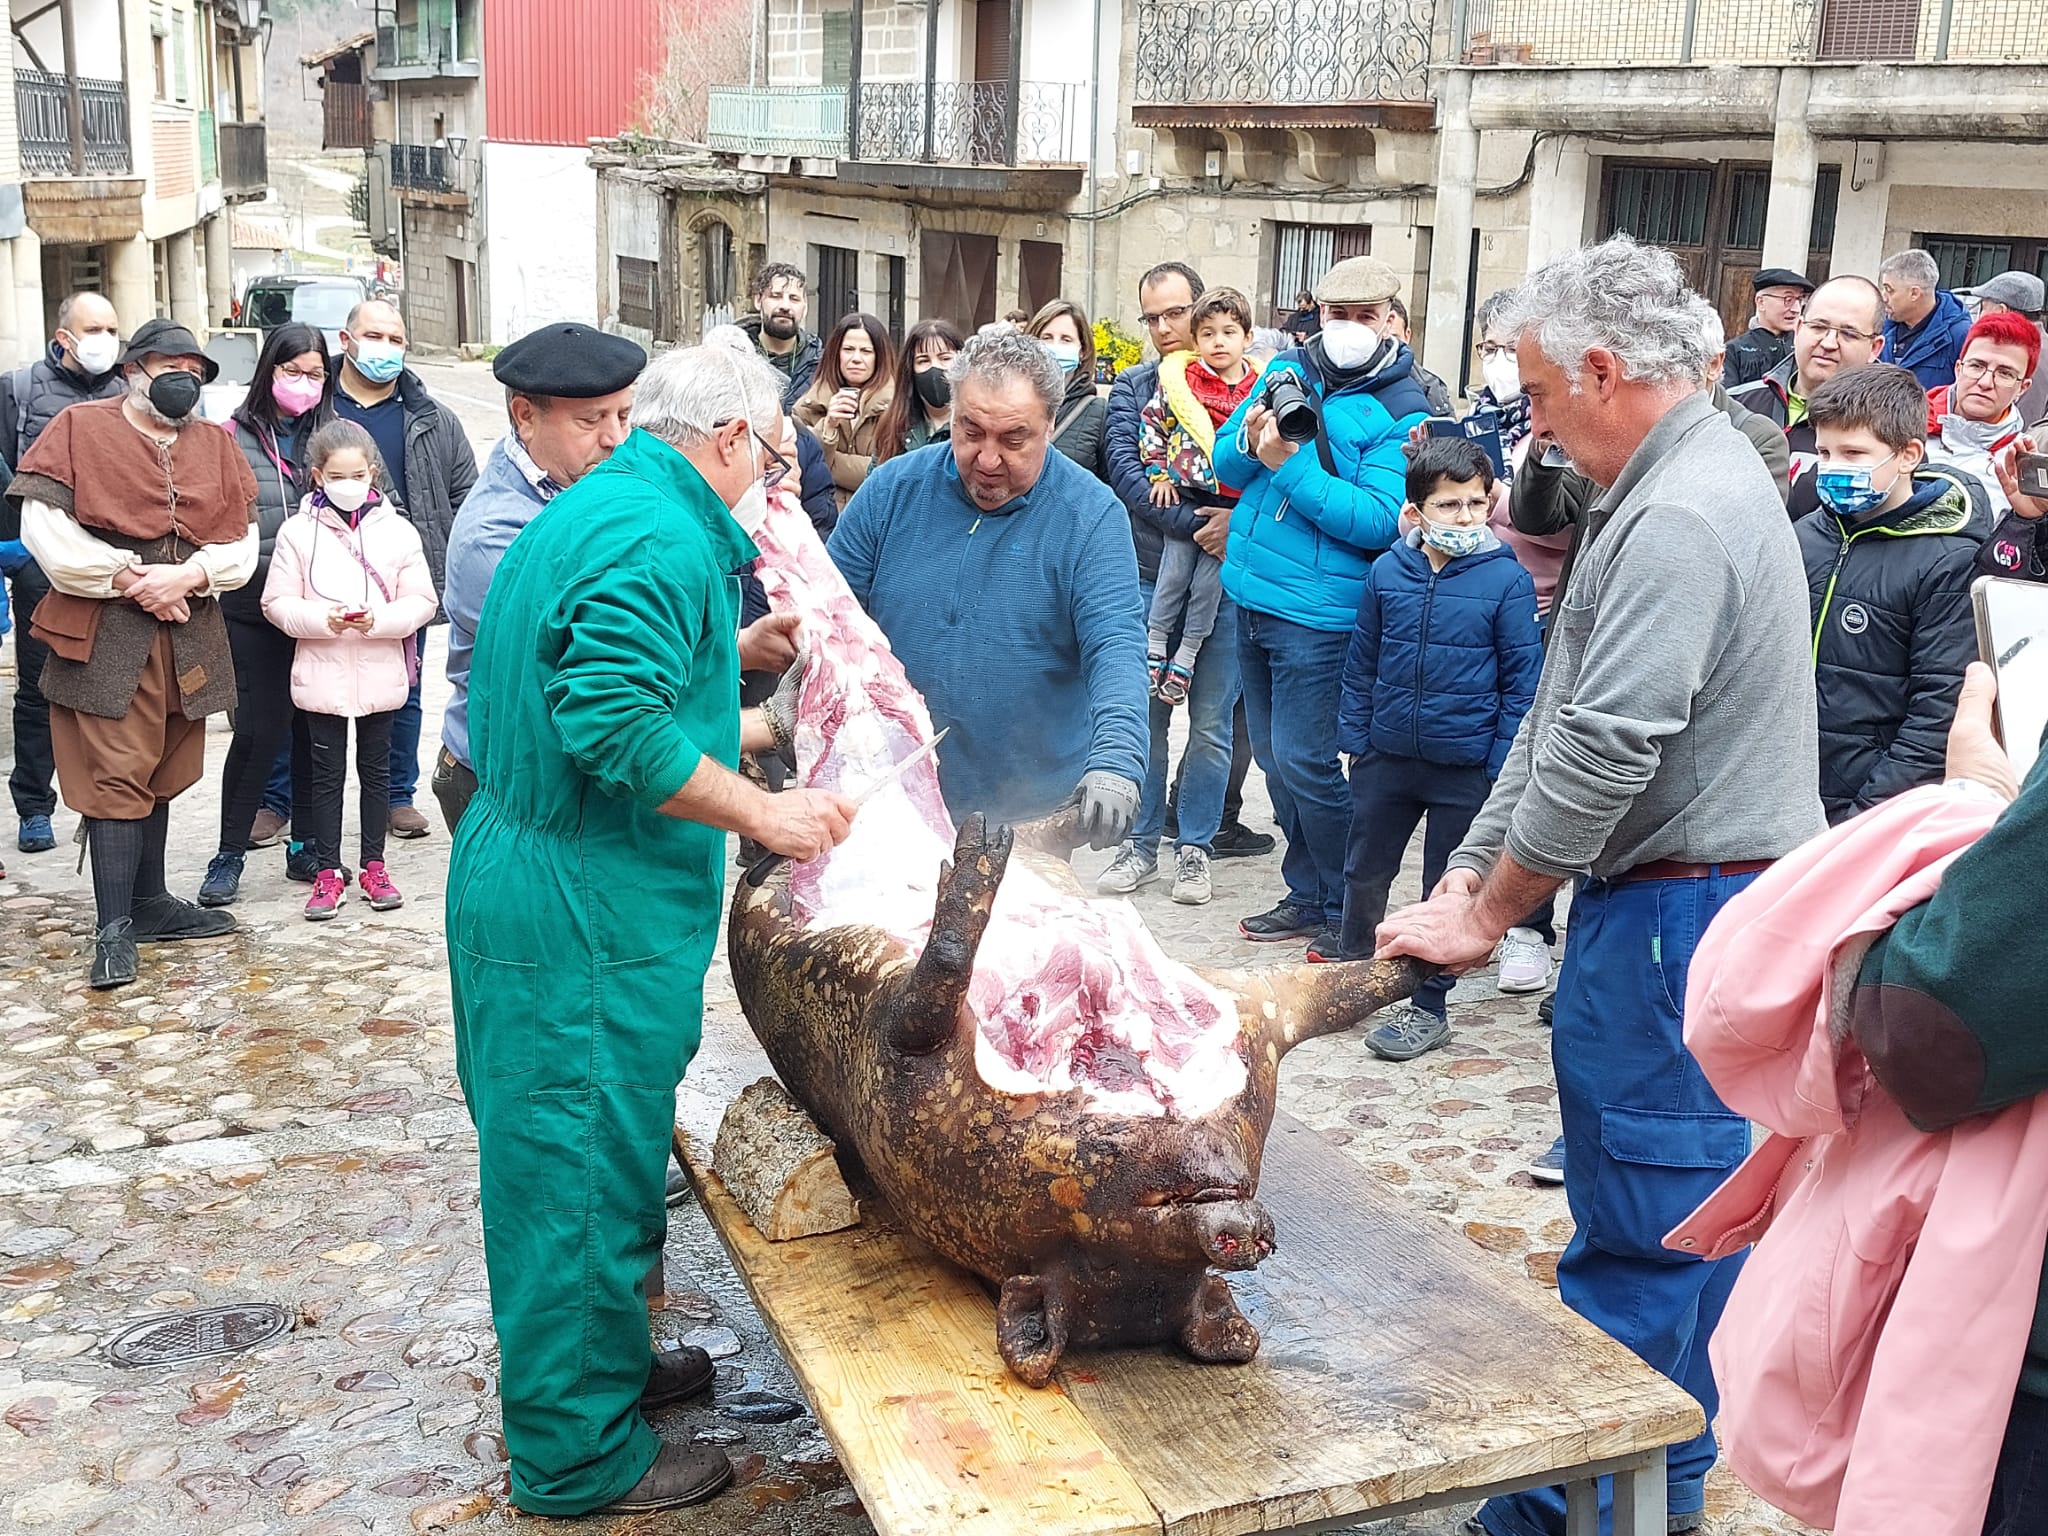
(1293, 407)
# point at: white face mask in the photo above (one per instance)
(1503, 375)
(1349, 343)
(96, 353)
(752, 509)
(346, 495)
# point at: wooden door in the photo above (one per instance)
(989, 106)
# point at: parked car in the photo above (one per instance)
(323, 300)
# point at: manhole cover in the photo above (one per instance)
(195, 1335)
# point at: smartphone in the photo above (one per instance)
(2012, 638)
(352, 614)
(2032, 469)
(1481, 427)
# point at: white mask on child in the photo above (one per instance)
(346, 495)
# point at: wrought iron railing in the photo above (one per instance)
(777, 120)
(42, 111)
(1283, 52)
(1639, 32)
(970, 122)
(423, 167)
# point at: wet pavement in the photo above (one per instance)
(274, 1117)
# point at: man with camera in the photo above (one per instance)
(1317, 454)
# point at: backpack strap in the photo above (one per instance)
(1072, 415)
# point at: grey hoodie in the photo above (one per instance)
(1675, 718)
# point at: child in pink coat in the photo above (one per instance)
(349, 581)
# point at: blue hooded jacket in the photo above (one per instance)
(1443, 664)
(1930, 349)
(1302, 539)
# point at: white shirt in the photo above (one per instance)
(80, 562)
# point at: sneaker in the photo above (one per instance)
(1408, 1034)
(223, 882)
(36, 835)
(1549, 1168)
(1524, 961)
(378, 890)
(1127, 871)
(404, 821)
(1327, 946)
(1543, 1009)
(267, 828)
(1237, 841)
(1284, 922)
(326, 898)
(1191, 877)
(1155, 674)
(302, 864)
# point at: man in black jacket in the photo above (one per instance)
(1780, 296)
(1166, 299)
(776, 328)
(83, 363)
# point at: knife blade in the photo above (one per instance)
(763, 868)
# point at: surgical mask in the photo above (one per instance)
(96, 353)
(1965, 433)
(1066, 353)
(932, 386)
(346, 495)
(379, 361)
(1503, 375)
(294, 395)
(751, 511)
(1846, 490)
(1350, 343)
(173, 393)
(1451, 539)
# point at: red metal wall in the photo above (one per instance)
(563, 71)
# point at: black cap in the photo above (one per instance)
(1781, 277)
(167, 338)
(579, 362)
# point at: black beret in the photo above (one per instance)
(576, 361)
(1781, 277)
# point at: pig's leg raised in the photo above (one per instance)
(926, 1011)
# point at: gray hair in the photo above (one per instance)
(1711, 326)
(1915, 267)
(998, 356)
(1490, 310)
(686, 393)
(1627, 299)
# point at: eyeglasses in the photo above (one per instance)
(778, 466)
(1849, 336)
(1442, 509)
(294, 371)
(1173, 316)
(1492, 349)
(1977, 368)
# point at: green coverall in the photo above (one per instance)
(580, 924)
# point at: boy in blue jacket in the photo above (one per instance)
(1442, 667)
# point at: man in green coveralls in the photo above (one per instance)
(584, 896)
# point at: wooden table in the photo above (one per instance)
(1401, 1371)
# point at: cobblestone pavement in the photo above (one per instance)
(274, 1116)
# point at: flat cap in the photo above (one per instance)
(166, 338)
(578, 362)
(1358, 280)
(2015, 290)
(1781, 277)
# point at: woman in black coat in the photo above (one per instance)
(1077, 425)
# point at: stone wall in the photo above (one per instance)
(894, 48)
(433, 238)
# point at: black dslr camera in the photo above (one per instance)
(1293, 407)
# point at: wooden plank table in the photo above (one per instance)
(1401, 1371)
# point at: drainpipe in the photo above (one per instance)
(1088, 139)
(931, 69)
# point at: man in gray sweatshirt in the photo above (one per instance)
(1670, 755)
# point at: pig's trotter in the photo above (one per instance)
(926, 1013)
(1032, 1320)
(1216, 1333)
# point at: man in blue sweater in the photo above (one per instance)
(1004, 576)
(1310, 520)
(1925, 325)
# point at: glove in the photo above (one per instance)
(780, 709)
(1109, 803)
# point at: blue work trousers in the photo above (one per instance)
(1292, 678)
(1646, 1140)
(405, 746)
(1205, 760)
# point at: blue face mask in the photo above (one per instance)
(1066, 353)
(1452, 540)
(1847, 491)
(379, 361)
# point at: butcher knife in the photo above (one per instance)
(763, 868)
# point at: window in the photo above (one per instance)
(160, 51)
(835, 285)
(714, 263)
(1302, 253)
(181, 84)
(637, 281)
(894, 291)
(1966, 260)
(1661, 205)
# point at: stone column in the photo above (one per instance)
(1450, 251)
(131, 282)
(1795, 168)
(26, 280)
(1558, 199)
(220, 267)
(1861, 214)
(188, 299)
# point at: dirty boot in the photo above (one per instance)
(676, 1374)
(681, 1474)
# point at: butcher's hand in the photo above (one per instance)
(1445, 930)
(769, 644)
(803, 823)
(780, 709)
(1109, 803)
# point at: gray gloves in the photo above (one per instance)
(780, 708)
(1109, 804)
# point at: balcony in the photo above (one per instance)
(1284, 63)
(432, 174)
(1634, 33)
(799, 121)
(425, 51)
(42, 106)
(244, 160)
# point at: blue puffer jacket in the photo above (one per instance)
(1302, 539)
(1443, 664)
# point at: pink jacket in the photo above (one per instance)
(317, 566)
(1869, 1352)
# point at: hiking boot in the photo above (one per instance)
(164, 919)
(1191, 877)
(302, 864)
(378, 890)
(113, 955)
(1327, 946)
(1549, 1168)
(1127, 871)
(1284, 922)
(267, 828)
(1238, 841)
(326, 898)
(36, 835)
(1408, 1034)
(404, 821)
(223, 882)
(676, 1374)
(1524, 961)
(681, 1475)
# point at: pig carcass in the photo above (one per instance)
(1043, 1095)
